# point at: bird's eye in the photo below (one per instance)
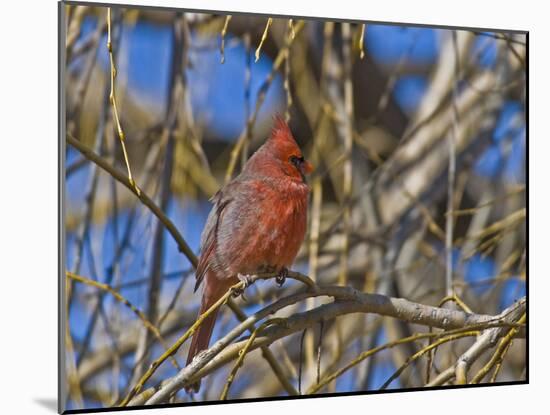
(296, 161)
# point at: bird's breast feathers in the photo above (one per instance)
(255, 224)
(280, 228)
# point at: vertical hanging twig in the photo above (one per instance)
(362, 41)
(112, 99)
(291, 29)
(264, 37)
(222, 44)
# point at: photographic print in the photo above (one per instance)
(259, 207)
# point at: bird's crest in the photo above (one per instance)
(281, 130)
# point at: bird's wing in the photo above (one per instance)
(209, 235)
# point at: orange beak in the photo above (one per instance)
(307, 167)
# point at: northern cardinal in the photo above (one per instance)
(257, 224)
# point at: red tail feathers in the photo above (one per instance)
(201, 337)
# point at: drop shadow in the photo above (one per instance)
(48, 403)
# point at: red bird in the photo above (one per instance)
(257, 224)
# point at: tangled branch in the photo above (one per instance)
(346, 301)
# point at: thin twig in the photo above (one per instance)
(362, 41)
(112, 98)
(291, 28)
(264, 37)
(242, 355)
(222, 41)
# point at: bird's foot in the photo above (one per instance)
(281, 276)
(247, 280)
(238, 292)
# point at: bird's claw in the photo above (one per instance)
(237, 292)
(281, 276)
(246, 279)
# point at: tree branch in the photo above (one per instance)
(347, 301)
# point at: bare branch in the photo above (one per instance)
(347, 301)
